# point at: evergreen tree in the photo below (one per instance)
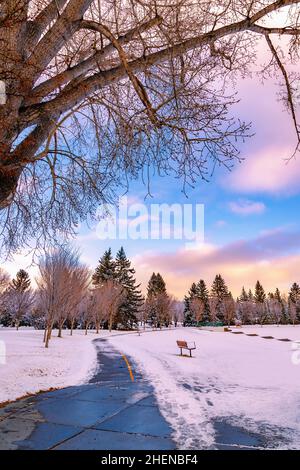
(133, 299)
(156, 287)
(105, 270)
(260, 299)
(189, 316)
(278, 297)
(244, 297)
(294, 296)
(259, 295)
(203, 294)
(156, 284)
(22, 281)
(6, 319)
(250, 295)
(219, 291)
(19, 296)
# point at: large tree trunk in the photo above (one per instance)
(8, 186)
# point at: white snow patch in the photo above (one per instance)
(30, 367)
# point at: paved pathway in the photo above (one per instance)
(111, 412)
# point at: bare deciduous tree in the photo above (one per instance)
(247, 311)
(4, 280)
(97, 91)
(213, 304)
(229, 309)
(19, 297)
(275, 308)
(178, 312)
(197, 307)
(19, 304)
(293, 311)
(261, 312)
(55, 287)
(80, 279)
(111, 296)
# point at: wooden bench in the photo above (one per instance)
(184, 345)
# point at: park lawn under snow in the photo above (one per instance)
(247, 381)
(30, 367)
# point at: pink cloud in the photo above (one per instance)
(267, 171)
(264, 167)
(246, 207)
(272, 257)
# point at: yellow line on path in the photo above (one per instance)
(129, 367)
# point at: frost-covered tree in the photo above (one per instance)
(5, 315)
(247, 311)
(260, 303)
(292, 311)
(178, 312)
(294, 297)
(20, 297)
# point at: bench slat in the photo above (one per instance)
(182, 344)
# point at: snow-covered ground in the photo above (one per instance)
(30, 367)
(248, 381)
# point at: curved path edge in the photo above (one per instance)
(111, 412)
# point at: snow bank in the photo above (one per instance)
(30, 367)
(249, 381)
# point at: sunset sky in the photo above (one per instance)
(252, 228)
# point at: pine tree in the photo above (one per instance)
(278, 297)
(156, 284)
(151, 285)
(260, 299)
(133, 299)
(22, 281)
(203, 294)
(20, 296)
(244, 297)
(156, 287)
(105, 270)
(294, 297)
(219, 291)
(259, 294)
(294, 293)
(6, 318)
(188, 313)
(250, 295)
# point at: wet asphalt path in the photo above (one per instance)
(112, 412)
